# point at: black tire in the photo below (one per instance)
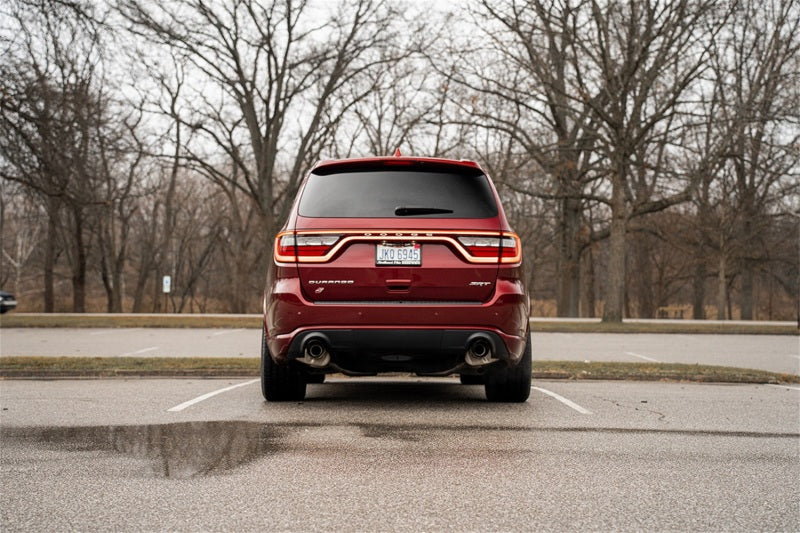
(511, 384)
(472, 379)
(280, 383)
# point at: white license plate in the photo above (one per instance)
(403, 255)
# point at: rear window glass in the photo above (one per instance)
(398, 193)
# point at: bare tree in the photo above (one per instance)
(530, 45)
(640, 59)
(396, 111)
(281, 72)
(760, 105)
(620, 74)
(50, 108)
(120, 154)
(20, 233)
(746, 152)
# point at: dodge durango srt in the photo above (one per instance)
(396, 264)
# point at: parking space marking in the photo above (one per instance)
(208, 395)
(225, 332)
(137, 352)
(565, 401)
(640, 356)
(783, 386)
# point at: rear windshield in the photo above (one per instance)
(398, 193)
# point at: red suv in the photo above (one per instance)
(396, 264)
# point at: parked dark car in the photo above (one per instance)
(7, 302)
(396, 264)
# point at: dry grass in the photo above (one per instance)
(55, 367)
(576, 370)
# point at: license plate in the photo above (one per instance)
(403, 255)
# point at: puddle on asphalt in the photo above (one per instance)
(196, 449)
(179, 450)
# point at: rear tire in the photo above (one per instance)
(280, 383)
(511, 384)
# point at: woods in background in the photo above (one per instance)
(648, 153)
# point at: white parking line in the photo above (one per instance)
(568, 403)
(137, 352)
(640, 356)
(206, 396)
(783, 386)
(225, 332)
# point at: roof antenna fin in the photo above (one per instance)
(397, 152)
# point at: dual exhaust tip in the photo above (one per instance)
(479, 352)
(316, 353)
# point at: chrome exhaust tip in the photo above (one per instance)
(480, 349)
(316, 353)
(479, 352)
(315, 350)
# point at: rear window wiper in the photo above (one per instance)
(412, 210)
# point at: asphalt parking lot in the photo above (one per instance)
(400, 454)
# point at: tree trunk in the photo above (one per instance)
(79, 266)
(615, 277)
(729, 297)
(588, 290)
(157, 296)
(116, 280)
(569, 259)
(645, 297)
(138, 291)
(50, 262)
(746, 291)
(699, 291)
(107, 284)
(722, 288)
(115, 250)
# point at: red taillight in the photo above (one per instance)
(486, 248)
(503, 248)
(481, 246)
(291, 248)
(284, 248)
(511, 249)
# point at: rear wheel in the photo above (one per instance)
(280, 383)
(511, 384)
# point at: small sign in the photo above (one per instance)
(166, 287)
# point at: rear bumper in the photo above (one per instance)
(423, 351)
(364, 334)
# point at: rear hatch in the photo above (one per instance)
(417, 232)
